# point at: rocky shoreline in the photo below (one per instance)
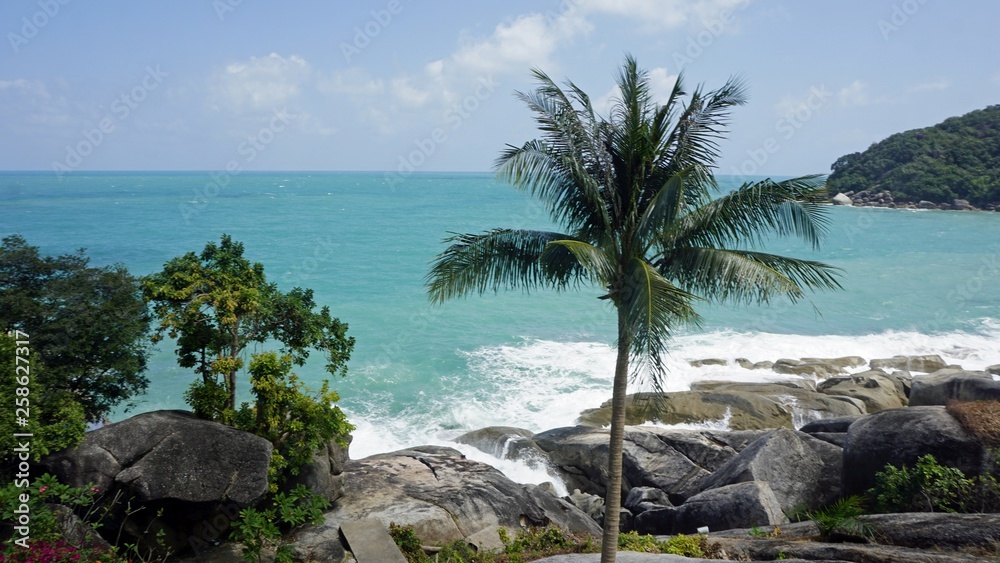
(786, 446)
(884, 198)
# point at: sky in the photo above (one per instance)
(401, 85)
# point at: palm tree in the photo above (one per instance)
(644, 221)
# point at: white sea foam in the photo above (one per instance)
(542, 384)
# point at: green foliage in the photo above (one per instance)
(56, 419)
(286, 414)
(91, 506)
(958, 158)
(841, 520)
(529, 544)
(88, 326)
(217, 303)
(930, 487)
(260, 530)
(680, 544)
(408, 542)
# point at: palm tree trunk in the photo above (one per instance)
(613, 498)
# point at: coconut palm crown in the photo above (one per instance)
(643, 220)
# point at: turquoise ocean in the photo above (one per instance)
(915, 282)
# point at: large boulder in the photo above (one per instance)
(947, 385)
(443, 495)
(841, 199)
(813, 368)
(899, 437)
(801, 470)
(741, 505)
(737, 410)
(673, 461)
(841, 362)
(925, 364)
(799, 397)
(877, 389)
(324, 474)
(505, 442)
(199, 473)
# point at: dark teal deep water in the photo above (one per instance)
(916, 282)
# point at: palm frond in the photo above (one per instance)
(652, 308)
(500, 259)
(702, 124)
(754, 211)
(745, 277)
(560, 181)
(599, 263)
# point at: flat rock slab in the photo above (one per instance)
(633, 557)
(370, 542)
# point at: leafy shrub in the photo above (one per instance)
(841, 520)
(259, 530)
(927, 487)
(288, 416)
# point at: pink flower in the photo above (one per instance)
(43, 489)
(95, 490)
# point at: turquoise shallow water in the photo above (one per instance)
(915, 282)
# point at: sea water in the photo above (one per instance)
(915, 282)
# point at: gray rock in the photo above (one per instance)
(796, 367)
(323, 474)
(708, 362)
(505, 442)
(962, 205)
(747, 364)
(841, 362)
(744, 411)
(200, 473)
(836, 438)
(926, 364)
(937, 530)
(800, 470)
(766, 364)
(641, 499)
(581, 455)
(591, 505)
(924, 204)
(841, 199)
(839, 424)
(444, 496)
(741, 505)
(994, 369)
(169, 455)
(798, 397)
(757, 549)
(946, 385)
(900, 436)
(875, 388)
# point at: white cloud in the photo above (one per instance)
(529, 40)
(31, 102)
(259, 84)
(353, 82)
(658, 15)
(407, 94)
(855, 94)
(939, 84)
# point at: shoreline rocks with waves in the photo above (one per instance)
(764, 450)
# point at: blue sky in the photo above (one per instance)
(379, 85)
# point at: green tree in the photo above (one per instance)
(88, 325)
(635, 194)
(52, 415)
(289, 416)
(217, 303)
